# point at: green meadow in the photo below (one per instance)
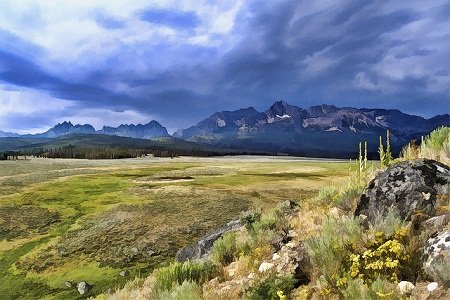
(75, 220)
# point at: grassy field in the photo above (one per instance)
(73, 220)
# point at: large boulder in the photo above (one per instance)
(204, 245)
(436, 257)
(411, 188)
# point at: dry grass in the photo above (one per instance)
(101, 204)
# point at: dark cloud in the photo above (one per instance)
(346, 53)
(19, 71)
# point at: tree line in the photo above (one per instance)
(91, 152)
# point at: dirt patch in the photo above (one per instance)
(302, 170)
(22, 221)
(164, 180)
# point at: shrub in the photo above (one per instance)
(410, 151)
(437, 139)
(327, 195)
(188, 290)
(387, 224)
(383, 289)
(225, 250)
(329, 251)
(383, 252)
(358, 263)
(258, 255)
(248, 218)
(383, 258)
(347, 197)
(355, 289)
(177, 273)
(266, 222)
(434, 146)
(271, 288)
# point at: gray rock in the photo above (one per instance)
(409, 187)
(204, 245)
(436, 223)
(124, 273)
(405, 287)
(68, 284)
(287, 205)
(83, 287)
(436, 257)
(294, 260)
(152, 253)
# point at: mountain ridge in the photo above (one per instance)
(293, 130)
(151, 130)
(319, 130)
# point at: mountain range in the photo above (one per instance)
(8, 134)
(322, 130)
(147, 131)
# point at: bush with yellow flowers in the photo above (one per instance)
(383, 257)
(353, 260)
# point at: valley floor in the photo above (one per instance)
(74, 220)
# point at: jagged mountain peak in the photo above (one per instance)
(280, 104)
(67, 127)
(282, 109)
(150, 130)
(66, 123)
(320, 110)
(236, 113)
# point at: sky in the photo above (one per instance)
(108, 62)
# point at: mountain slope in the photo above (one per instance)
(322, 130)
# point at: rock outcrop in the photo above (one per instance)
(293, 259)
(411, 188)
(204, 245)
(436, 257)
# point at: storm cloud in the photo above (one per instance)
(178, 62)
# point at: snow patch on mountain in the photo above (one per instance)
(333, 129)
(284, 116)
(221, 123)
(382, 121)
